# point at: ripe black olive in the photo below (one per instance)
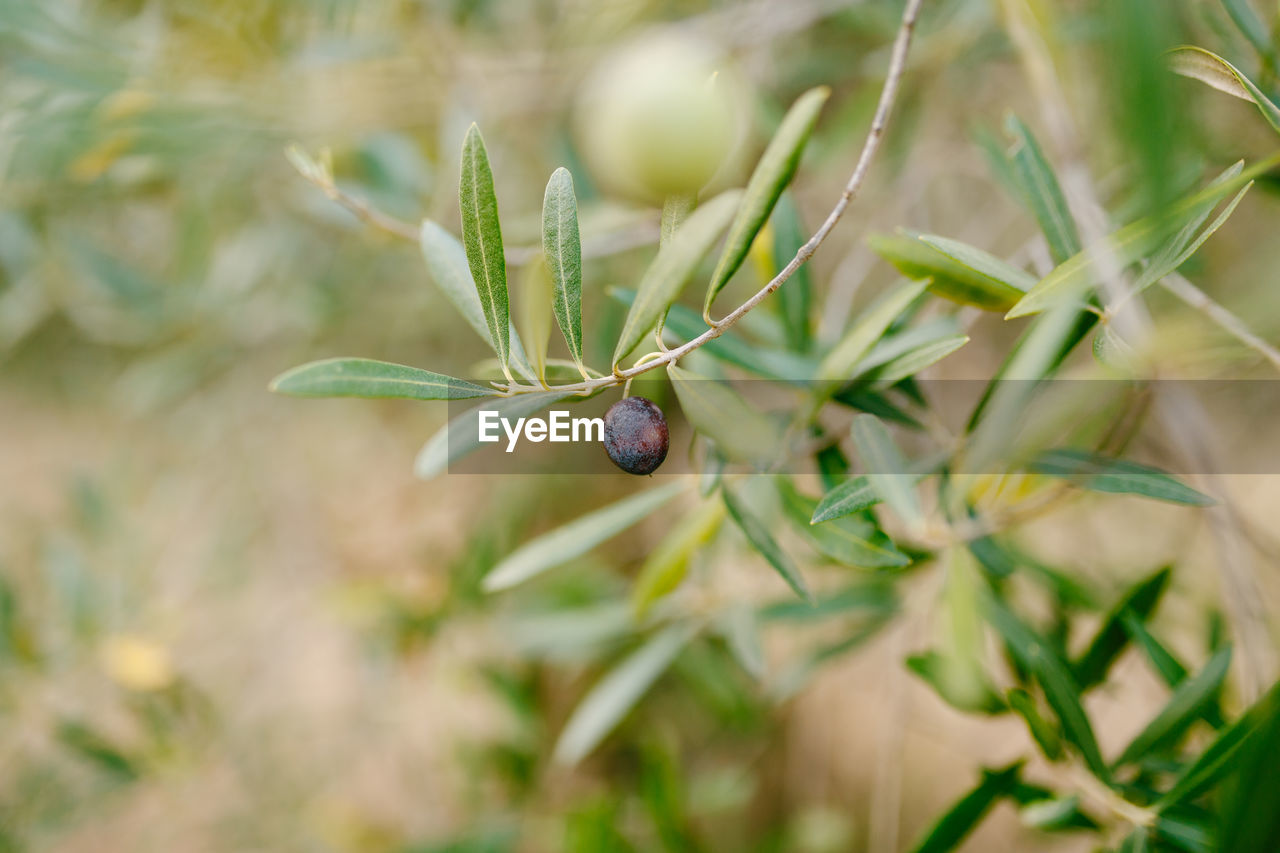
(635, 435)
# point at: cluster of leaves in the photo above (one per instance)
(1170, 788)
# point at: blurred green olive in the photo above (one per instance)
(660, 117)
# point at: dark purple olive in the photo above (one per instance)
(635, 435)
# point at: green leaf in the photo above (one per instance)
(1060, 690)
(615, 694)
(1045, 735)
(915, 360)
(1042, 192)
(447, 264)
(983, 264)
(841, 364)
(562, 247)
(851, 541)
(886, 469)
(675, 210)
(1178, 251)
(795, 298)
(1248, 22)
(1140, 602)
(1116, 476)
(363, 377)
(772, 174)
(1228, 752)
(1184, 707)
(741, 631)
(1190, 835)
(950, 680)
(719, 413)
(1249, 810)
(534, 310)
(675, 263)
(853, 495)
(758, 535)
(482, 238)
(1072, 278)
(954, 826)
(946, 277)
(1213, 70)
(576, 538)
(461, 435)
(668, 564)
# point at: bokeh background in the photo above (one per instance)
(231, 621)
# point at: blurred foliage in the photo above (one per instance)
(228, 621)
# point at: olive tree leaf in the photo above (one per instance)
(533, 307)
(853, 495)
(461, 435)
(482, 238)
(668, 564)
(886, 469)
(1116, 476)
(576, 538)
(1248, 22)
(851, 541)
(1184, 245)
(1183, 708)
(794, 300)
(949, 680)
(981, 263)
(741, 630)
(772, 174)
(1250, 801)
(914, 360)
(447, 264)
(1060, 690)
(675, 210)
(1041, 191)
(1044, 734)
(562, 248)
(1073, 277)
(721, 414)
(757, 533)
(616, 693)
(1226, 753)
(675, 263)
(364, 377)
(841, 363)
(1112, 637)
(945, 276)
(1213, 70)
(958, 821)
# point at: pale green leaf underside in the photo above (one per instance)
(1213, 70)
(575, 538)
(841, 364)
(758, 535)
(675, 263)
(1035, 178)
(772, 174)
(946, 277)
(482, 238)
(886, 469)
(615, 694)
(562, 247)
(364, 377)
(717, 411)
(1116, 476)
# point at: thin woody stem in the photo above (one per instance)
(888, 95)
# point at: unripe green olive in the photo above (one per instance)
(635, 435)
(660, 117)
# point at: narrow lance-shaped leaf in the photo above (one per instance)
(1213, 70)
(533, 307)
(852, 541)
(615, 694)
(363, 377)
(1116, 476)
(1112, 637)
(885, 467)
(1248, 22)
(968, 812)
(1179, 251)
(576, 538)
(1183, 708)
(1072, 278)
(1042, 192)
(675, 263)
(981, 262)
(853, 495)
(840, 365)
(794, 299)
(461, 435)
(717, 411)
(447, 264)
(675, 210)
(772, 174)
(945, 276)
(668, 564)
(758, 535)
(482, 238)
(1043, 733)
(562, 247)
